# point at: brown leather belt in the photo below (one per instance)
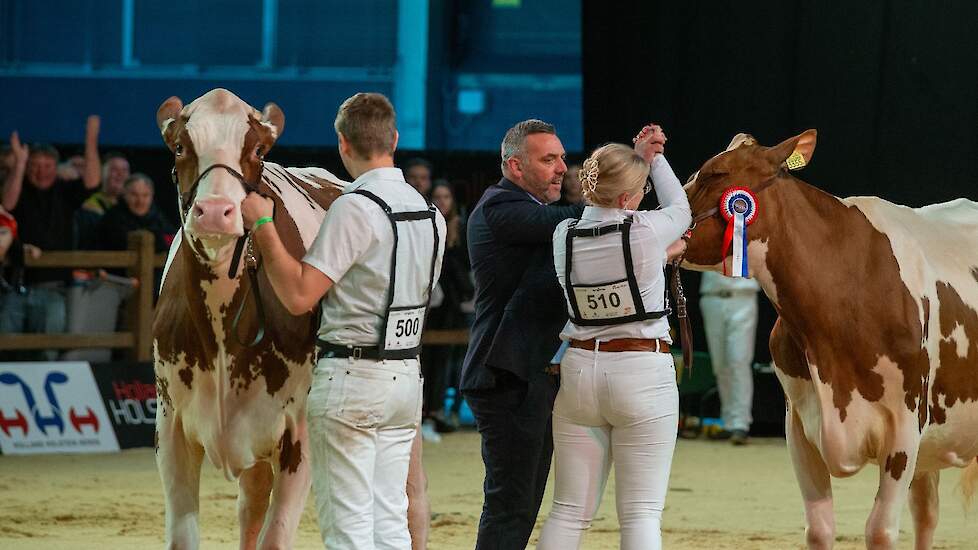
(624, 344)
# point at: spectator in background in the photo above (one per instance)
(417, 172)
(7, 160)
(570, 188)
(729, 306)
(44, 209)
(13, 294)
(439, 363)
(115, 172)
(136, 211)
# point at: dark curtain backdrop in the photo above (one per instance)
(891, 87)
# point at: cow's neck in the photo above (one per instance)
(806, 265)
(218, 288)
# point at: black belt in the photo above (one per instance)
(339, 351)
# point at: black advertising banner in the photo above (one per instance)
(129, 392)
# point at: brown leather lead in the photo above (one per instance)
(685, 331)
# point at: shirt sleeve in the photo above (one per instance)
(442, 228)
(671, 220)
(526, 222)
(343, 238)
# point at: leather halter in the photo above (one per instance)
(677, 285)
(697, 218)
(185, 200)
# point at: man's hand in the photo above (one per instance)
(20, 151)
(649, 142)
(92, 126)
(255, 206)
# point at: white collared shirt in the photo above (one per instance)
(353, 248)
(600, 259)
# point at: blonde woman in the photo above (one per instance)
(618, 395)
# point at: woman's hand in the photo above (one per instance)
(649, 142)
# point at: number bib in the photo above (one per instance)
(404, 328)
(606, 301)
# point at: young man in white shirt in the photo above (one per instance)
(373, 264)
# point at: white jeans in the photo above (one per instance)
(623, 405)
(363, 416)
(731, 327)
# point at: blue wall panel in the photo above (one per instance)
(54, 109)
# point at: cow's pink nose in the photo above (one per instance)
(214, 216)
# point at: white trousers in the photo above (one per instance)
(731, 327)
(363, 416)
(623, 406)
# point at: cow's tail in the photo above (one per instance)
(969, 483)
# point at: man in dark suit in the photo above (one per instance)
(519, 312)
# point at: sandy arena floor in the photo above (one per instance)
(720, 498)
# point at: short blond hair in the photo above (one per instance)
(367, 121)
(611, 170)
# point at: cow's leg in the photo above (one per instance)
(178, 461)
(254, 486)
(924, 508)
(815, 484)
(896, 472)
(810, 469)
(419, 510)
(293, 477)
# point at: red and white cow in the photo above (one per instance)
(242, 406)
(876, 344)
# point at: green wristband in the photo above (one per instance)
(260, 222)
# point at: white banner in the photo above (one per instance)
(52, 408)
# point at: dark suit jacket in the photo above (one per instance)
(519, 306)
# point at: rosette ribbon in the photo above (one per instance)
(739, 207)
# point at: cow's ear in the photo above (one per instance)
(796, 152)
(167, 113)
(274, 118)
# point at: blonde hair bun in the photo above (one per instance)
(611, 170)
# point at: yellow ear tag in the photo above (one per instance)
(796, 161)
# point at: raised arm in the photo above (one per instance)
(672, 219)
(526, 222)
(93, 164)
(15, 178)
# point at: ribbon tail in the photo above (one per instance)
(739, 245)
(727, 239)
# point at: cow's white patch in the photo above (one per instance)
(759, 270)
(960, 338)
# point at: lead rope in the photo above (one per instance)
(685, 331)
(251, 267)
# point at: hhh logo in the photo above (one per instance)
(56, 419)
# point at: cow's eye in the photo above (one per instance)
(178, 150)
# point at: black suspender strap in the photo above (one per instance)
(626, 247)
(395, 217)
(625, 228)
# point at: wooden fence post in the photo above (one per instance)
(141, 306)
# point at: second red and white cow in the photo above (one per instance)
(876, 344)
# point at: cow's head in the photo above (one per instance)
(744, 163)
(216, 128)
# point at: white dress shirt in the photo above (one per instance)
(353, 248)
(599, 260)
